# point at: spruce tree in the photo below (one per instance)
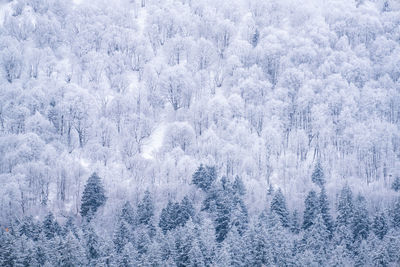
(396, 184)
(295, 223)
(128, 214)
(145, 209)
(395, 214)
(50, 226)
(380, 225)
(325, 211)
(318, 176)
(93, 196)
(360, 223)
(204, 177)
(345, 207)
(278, 206)
(311, 210)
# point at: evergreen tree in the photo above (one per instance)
(70, 227)
(396, 184)
(311, 210)
(325, 211)
(318, 176)
(70, 252)
(295, 223)
(92, 245)
(128, 214)
(360, 223)
(145, 209)
(187, 210)
(316, 239)
(50, 226)
(8, 255)
(169, 217)
(128, 257)
(345, 207)
(29, 228)
(204, 177)
(121, 236)
(93, 196)
(379, 225)
(256, 36)
(395, 214)
(238, 186)
(278, 206)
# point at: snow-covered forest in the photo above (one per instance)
(200, 133)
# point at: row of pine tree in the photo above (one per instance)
(218, 231)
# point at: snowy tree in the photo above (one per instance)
(278, 206)
(93, 196)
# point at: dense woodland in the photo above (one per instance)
(200, 133)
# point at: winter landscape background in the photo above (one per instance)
(200, 133)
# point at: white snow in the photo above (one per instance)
(154, 142)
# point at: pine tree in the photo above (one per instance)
(295, 223)
(50, 226)
(93, 196)
(316, 239)
(29, 228)
(278, 206)
(92, 245)
(121, 236)
(145, 209)
(318, 176)
(396, 184)
(345, 207)
(169, 217)
(395, 214)
(380, 225)
(360, 223)
(238, 186)
(128, 214)
(70, 252)
(8, 256)
(204, 177)
(311, 210)
(187, 210)
(325, 211)
(255, 38)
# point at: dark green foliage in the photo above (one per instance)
(128, 214)
(121, 236)
(93, 196)
(176, 214)
(325, 211)
(395, 214)
(145, 209)
(311, 210)
(92, 245)
(256, 36)
(295, 223)
(238, 186)
(396, 184)
(204, 177)
(278, 206)
(8, 254)
(316, 239)
(318, 176)
(69, 252)
(380, 225)
(361, 222)
(169, 217)
(70, 227)
(345, 207)
(50, 226)
(29, 228)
